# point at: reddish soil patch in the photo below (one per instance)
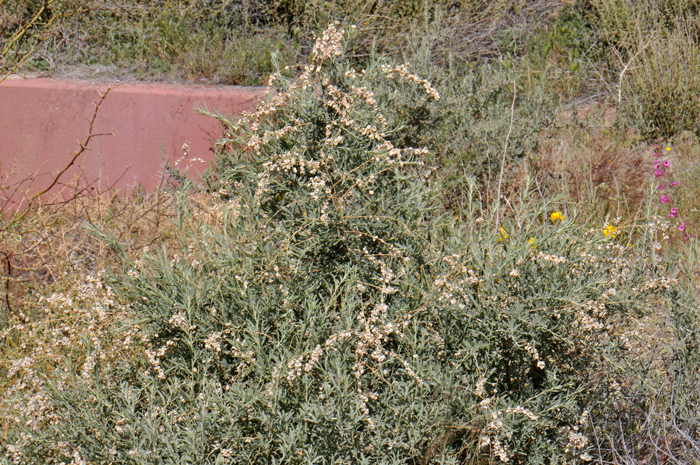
(43, 121)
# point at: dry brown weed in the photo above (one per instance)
(595, 164)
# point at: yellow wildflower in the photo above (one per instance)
(557, 216)
(502, 234)
(531, 241)
(611, 230)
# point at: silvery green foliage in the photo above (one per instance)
(466, 128)
(334, 316)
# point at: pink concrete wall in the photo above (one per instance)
(43, 120)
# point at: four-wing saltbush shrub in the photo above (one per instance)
(335, 316)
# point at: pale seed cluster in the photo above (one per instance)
(77, 322)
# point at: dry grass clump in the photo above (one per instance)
(597, 165)
(662, 86)
(44, 246)
(649, 51)
(58, 309)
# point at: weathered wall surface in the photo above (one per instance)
(42, 122)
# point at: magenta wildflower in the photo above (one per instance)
(658, 173)
(682, 226)
(673, 183)
(674, 211)
(665, 199)
(667, 163)
(661, 186)
(670, 215)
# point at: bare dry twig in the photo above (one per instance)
(505, 149)
(21, 35)
(83, 147)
